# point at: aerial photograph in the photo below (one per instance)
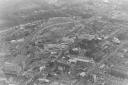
(63, 42)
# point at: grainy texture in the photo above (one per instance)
(64, 42)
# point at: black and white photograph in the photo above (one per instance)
(63, 42)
